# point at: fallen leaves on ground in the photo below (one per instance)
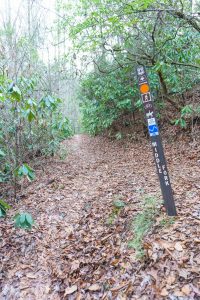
(75, 252)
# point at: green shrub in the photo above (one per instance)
(30, 126)
(105, 97)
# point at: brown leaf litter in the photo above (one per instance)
(73, 253)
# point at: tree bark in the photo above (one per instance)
(165, 91)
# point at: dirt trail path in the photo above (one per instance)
(56, 201)
(95, 172)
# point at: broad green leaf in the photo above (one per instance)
(31, 116)
(23, 220)
(2, 212)
(15, 92)
(25, 170)
(29, 219)
(3, 208)
(16, 216)
(2, 153)
(4, 204)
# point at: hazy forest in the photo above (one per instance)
(99, 149)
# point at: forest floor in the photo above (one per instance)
(73, 252)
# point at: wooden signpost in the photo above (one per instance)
(156, 142)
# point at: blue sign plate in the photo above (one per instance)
(153, 130)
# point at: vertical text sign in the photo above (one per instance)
(156, 143)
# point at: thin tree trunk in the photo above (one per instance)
(165, 91)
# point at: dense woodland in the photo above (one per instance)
(74, 149)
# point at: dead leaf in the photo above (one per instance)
(31, 275)
(70, 290)
(94, 288)
(164, 292)
(184, 273)
(115, 262)
(75, 265)
(171, 279)
(186, 289)
(178, 246)
(79, 296)
(119, 287)
(178, 293)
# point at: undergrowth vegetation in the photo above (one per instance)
(143, 223)
(30, 126)
(21, 220)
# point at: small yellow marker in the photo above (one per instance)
(144, 88)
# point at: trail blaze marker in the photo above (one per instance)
(156, 142)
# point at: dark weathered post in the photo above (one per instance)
(156, 142)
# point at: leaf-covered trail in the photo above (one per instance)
(72, 253)
(56, 200)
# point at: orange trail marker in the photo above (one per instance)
(144, 88)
